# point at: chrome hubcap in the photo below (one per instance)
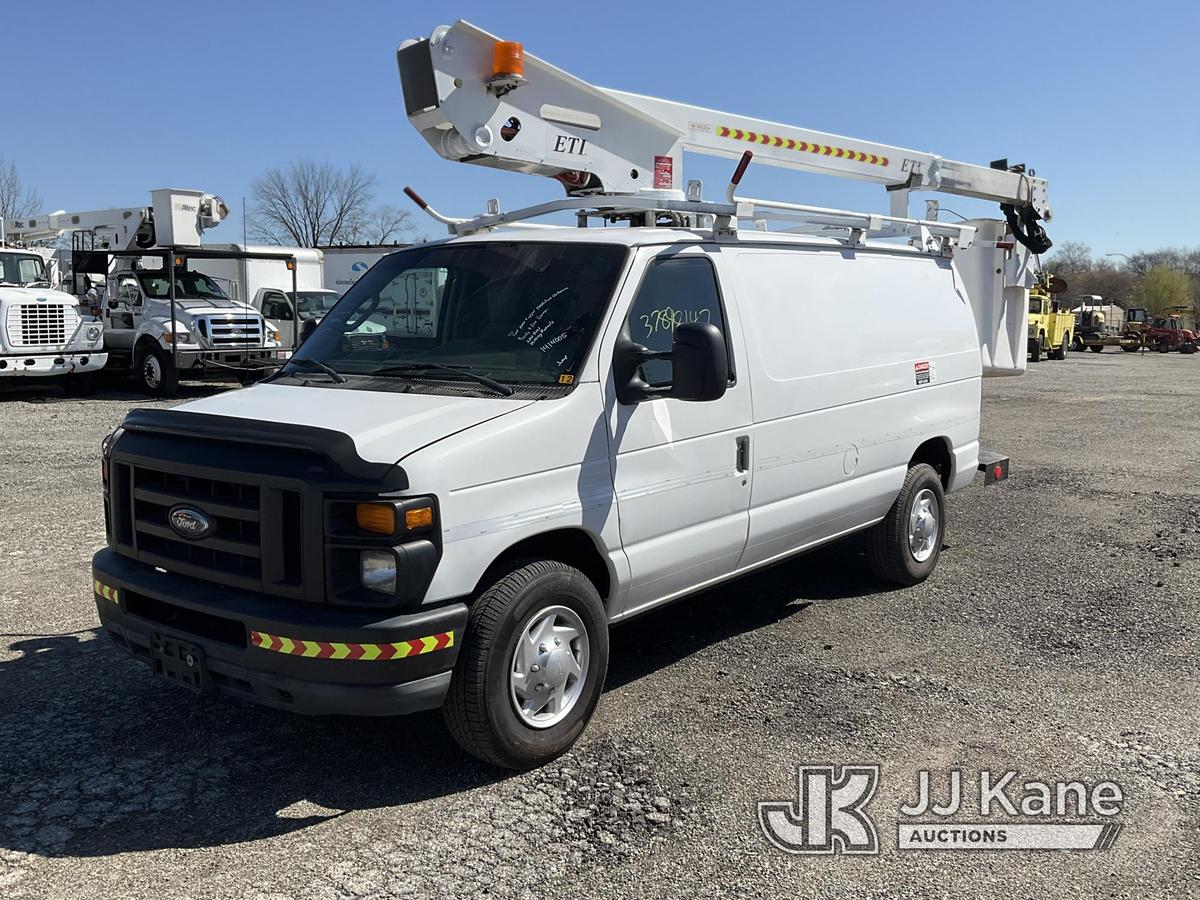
(549, 666)
(151, 371)
(923, 526)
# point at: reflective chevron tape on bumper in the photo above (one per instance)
(103, 590)
(339, 650)
(754, 137)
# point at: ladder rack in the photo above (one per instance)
(851, 227)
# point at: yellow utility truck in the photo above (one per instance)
(1049, 323)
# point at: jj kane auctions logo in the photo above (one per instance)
(829, 813)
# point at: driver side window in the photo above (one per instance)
(129, 292)
(673, 291)
(276, 306)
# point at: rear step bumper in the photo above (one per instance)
(993, 466)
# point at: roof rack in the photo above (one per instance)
(852, 228)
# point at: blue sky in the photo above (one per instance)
(1097, 97)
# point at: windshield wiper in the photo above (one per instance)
(497, 386)
(308, 362)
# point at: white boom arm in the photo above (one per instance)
(595, 140)
(174, 218)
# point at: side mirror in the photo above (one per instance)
(699, 366)
(307, 329)
(700, 362)
(114, 304)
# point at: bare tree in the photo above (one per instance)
(309, 204)
(16, 198)
(379, 225)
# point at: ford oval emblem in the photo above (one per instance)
(190, 523)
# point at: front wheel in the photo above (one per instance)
(904, 548)
(1097, 348)
(156, 370)
(531, 666)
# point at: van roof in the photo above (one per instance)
(642, 236)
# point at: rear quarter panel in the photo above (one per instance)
(855, 359)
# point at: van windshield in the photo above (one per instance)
(516, 312)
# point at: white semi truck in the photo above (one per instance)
(164, 317)
(586, 424)
(44, 332)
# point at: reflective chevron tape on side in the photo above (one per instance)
(108, 593)
(754, 137)
(351, 651)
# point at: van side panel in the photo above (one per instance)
(855, 359)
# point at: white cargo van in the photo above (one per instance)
(495, 446)
(468, 509)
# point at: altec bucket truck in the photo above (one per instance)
(163, 319)
(478, 99)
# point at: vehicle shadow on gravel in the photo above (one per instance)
(666, 636)
(98, 757)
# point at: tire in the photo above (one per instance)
(1061, 352)
(1131, 349)
(1097, 348)
(481, 706)
(1077, 344)
(890, 551)
(1035, 351)
(1187, 347)
(155, 370)
(81, 385)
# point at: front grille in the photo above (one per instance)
(40, 324)
(232, 331)
(233, 549)
(256, 541)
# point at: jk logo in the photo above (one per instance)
(827, 815)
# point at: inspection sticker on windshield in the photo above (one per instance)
(926, 371)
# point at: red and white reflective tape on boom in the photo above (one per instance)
(345, 650)
(754, 137)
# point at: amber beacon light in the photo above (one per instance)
(508, 59)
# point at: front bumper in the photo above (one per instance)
(301, 657)
(44, 364)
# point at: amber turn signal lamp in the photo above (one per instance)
(421, 517)
(377, 517)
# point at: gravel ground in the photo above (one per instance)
(1058, 638)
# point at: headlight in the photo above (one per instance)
(377, 571)
(182, 336)
(93, 333)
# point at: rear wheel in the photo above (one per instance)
(1061, 352)
(156, 370)
(904, 548)
(1077, 344)
(1097, 348)
(1035, 351)
(531, 666)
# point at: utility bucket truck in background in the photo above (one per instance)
(44, 332)
(164, 318)
(498, 444)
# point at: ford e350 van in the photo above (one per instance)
(496, 446)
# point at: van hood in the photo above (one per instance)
(384, 426)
